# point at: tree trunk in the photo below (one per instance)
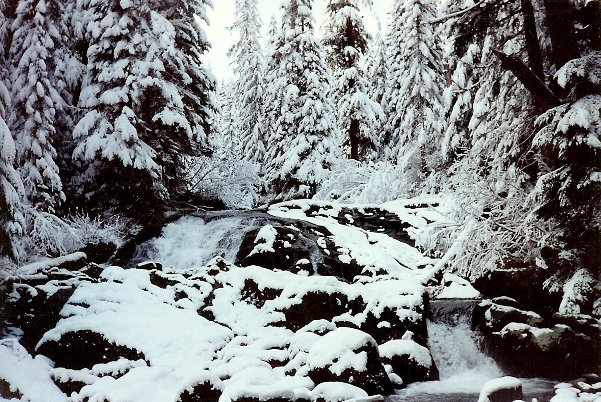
(353, 134)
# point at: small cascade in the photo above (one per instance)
(455, 346)
(194, 240)
(456, 350)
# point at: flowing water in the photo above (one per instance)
(194, 240)
(457, 351)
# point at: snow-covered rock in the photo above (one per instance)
(504, 389)
(455, 287)
(350, 356)
(409, 360)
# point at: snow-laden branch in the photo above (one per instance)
(452, 15)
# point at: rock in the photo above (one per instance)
(294, 247)
(99, 252)
(495, 316)
(150, 265)
(337, 392)
(504, 389)
(83, 349)
(535, 352)
(455, 287)
(507, 301)
(351, 356)
(409, 360)
(205, 388)
(522, 284)
(9, 392)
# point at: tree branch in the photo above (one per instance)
(530, 80)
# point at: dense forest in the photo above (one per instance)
(107, 113)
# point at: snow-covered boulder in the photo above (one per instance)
(409, 360)
(504, 389)
(536, 351)
(495, 316)
(337, 392)
(350, 356)
(587, 388)
(201, 387)
(455, 287)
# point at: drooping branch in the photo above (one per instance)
(543, 94)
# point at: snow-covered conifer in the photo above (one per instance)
(11, 186)
(147, 97)
(36, 100)
(302, 145)
(345, 42)
(249, 67)
(412, 101)
(569, 142)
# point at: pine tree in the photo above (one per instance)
(11, 186)
(249, 67)
(345, 42)
(36, 101)
(412, 100)
(302, 146)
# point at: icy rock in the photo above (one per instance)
(504, 389)
(351, 356)
(409, 360)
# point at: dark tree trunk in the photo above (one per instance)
(560, 19)
(353, 135)
(535, 59)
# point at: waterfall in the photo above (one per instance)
(456, 350)
(194, 240)
(455, 347)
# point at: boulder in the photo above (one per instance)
(495, 316)
(504, 389)
(409, 360)
(351, 356)
(535, 352)
(337, 392)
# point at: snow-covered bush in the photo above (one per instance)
(363, 182)
(48, 235)
(486, 227)
(226, 178)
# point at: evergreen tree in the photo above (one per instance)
(36, 100)
(249, 67)
(147, 98)
(302, 146)
(413, 97)
(568, 191)
(11, 186)
(227, 121)
(345, 43)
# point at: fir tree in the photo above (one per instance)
(36, 100)
(345, 43)
(302, 146)
(413, 97)
(249, 67)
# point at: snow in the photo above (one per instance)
(498, 384)
(29, 376)
(338, 392)
(264, 240)
(457, 288)
(40, 266)
(407, 347)
(336, 350)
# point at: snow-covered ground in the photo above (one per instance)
(207, 324)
